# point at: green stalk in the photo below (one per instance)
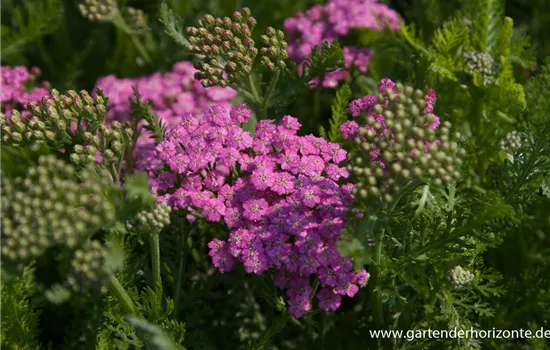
(272, 85)
(323, 329)
(524, 173)
(253, 90)
(271, 331)
(141, 49)
(122, 296)
(181, 268)
(155, 261)
(378, 311)
(120, 23)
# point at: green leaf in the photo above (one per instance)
(57, 294)
(323, 132)
(173, 25)
(137, 188)
(486, 23)
(153, 335)
(339, 112)
(323, 59)
(19, 320)
(450, 36)
(32, 20)
(115, 253)
(142, 111)
(521, 50)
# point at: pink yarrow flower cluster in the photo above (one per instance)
(172, 95)
(277, 192)
(332, 21)
(16, 90)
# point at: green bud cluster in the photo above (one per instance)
(52, 205)
(97, 10)
(54, 119)
(481, 62)
(405, 147)
(74, 122)
(150, 221)
(461, 278)
(89, 270)
(275, 53)
(136, 19)
(226, 46)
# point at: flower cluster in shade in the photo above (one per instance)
(332, 21)
(398, 139)
(277, 192)
(510, 144)
(18, 87)
(172, 95)
(56, 206)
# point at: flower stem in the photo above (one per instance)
(122, 296)
(377, 307)
(155, 261)
(272, 85)
(141, 49)
(181, 268)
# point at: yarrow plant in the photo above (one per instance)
(164, 196)
(335, 20)
(276, 192)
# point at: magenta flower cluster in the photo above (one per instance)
(277, 192)
(172, 95)
(332, 21)
(17, 88)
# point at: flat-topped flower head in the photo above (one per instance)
(276, 192)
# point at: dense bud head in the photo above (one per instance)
(407, 141)
(97, 10)
(49, 204)
(461, 278)
(481, 63)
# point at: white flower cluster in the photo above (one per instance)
(481, 62)
(461, 278)
(510, 144)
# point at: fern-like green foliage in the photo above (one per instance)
(173, 25)
(153, 335)
(19, 319)
(537, 91)
(486, 17)
(142, 111)
(30, 21)
(339, 112)
(323, 59)
(450, 36)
